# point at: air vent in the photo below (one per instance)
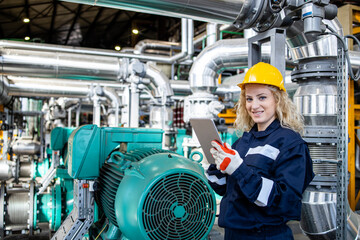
(178, 206)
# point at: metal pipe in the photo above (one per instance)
(51, 87)
(46, 60)
(5, 99)
(7, 169)
(220, 11)
(190, 37)
(211, 33)
(159, 82)
(222, 54)
(26, 147)
(27, 89)
(134, 105)
(143, 45)
(115, 103)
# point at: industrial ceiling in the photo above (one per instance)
(64, 23)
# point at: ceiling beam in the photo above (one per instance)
(53, 17)
(113, 20)
(17, 6)
(78, 13)
(92, 26)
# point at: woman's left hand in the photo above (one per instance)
(227, 159)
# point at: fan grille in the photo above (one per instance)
(178, 206)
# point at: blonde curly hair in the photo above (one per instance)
(286, 112)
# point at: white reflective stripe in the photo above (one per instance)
(215, 179)
(264, 193)
(267, 150)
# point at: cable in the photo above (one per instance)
(278, 8)
(101, 232)
(358, 43)
(346, 51)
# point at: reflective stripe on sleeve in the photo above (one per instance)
(265, 191)
(266, 150)
(215, 179)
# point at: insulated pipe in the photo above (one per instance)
(46, 60)
(190, 37)
(222, 54)
(40, 89)
(182, 86)
(49, 87)
(143, 45)
(212, 33)
(159, 82)
(42, 60)
(5, 99)
(220, 11)
(115, 103)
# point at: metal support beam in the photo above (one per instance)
(81, 217)
(276, 37)
(342, 144)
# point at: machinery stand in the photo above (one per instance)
(276, 37)
(77, 224)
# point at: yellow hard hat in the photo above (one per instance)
(263, 73)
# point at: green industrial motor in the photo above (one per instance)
(156, 194)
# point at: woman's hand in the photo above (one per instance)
(227, 159)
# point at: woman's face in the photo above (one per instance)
(260, 104)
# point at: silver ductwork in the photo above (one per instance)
(27, 59)
(52, 87)
(5, 99)
(26, 147)
(220, 11)
(146, 44)
(115, 102)
(159, 82)
(63, 61)
(222, 54)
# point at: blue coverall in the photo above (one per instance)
(265, 192)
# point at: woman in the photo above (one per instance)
(263, 175)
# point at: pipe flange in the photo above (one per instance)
(314, 69)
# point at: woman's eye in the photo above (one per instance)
(248, 99)
(262, 98)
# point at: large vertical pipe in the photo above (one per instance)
(211, 33)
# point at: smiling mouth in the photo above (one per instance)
(257, 113)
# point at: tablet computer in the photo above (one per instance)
(206, 132)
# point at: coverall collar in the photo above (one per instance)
(272, 127)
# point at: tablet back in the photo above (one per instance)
(206, 132)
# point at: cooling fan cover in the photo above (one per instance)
(165, 196)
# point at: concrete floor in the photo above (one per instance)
(217, 233)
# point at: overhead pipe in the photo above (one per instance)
(50, 87)
(143, 45)
(220, 11)
(220, 55)
(64, 61)
(190, 37)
